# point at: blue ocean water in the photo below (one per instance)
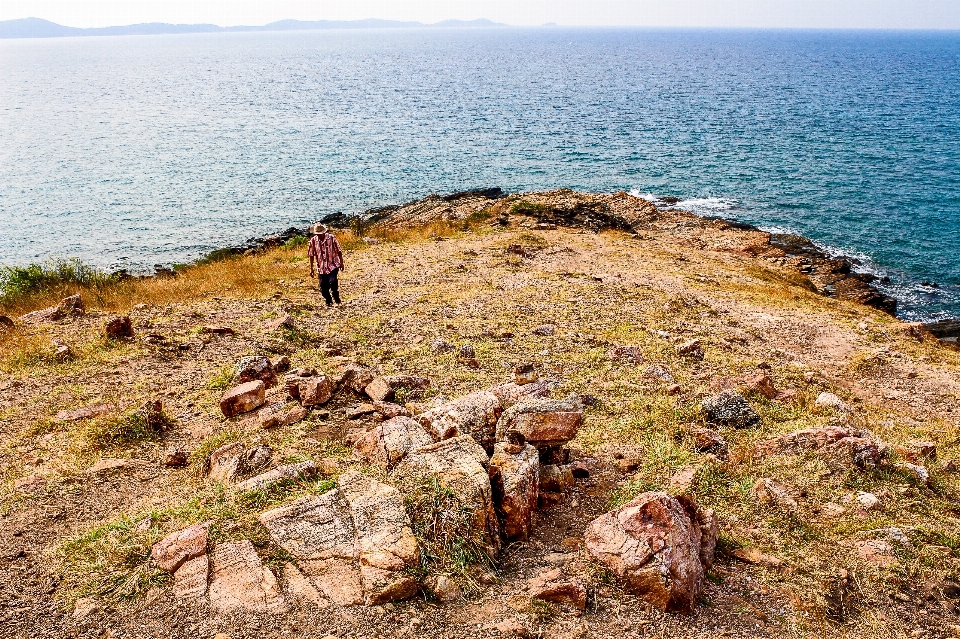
(133, 151)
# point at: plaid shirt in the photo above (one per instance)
(326, 249)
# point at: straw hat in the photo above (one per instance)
(318, 229)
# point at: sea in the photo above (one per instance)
(132, 151)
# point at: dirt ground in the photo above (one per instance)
(69, 532)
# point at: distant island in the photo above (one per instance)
(39, 28)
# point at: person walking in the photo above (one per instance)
(325, 250)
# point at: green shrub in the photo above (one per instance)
(527, 208)
(17, 282)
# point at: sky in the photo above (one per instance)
(831, 14)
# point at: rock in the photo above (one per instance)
(922, 450)
(556, 478)
(87, 412)
(658, 545)
(444, 589)
(281, 364)
(314, 391)
(190, 579)
(360, 410)
(867, 501)
(318, 532)
(658, 373)
(84, 607)
(173, 550)
(761, 385)
(218, 330)
(72, 305)
(107, 465)
(833, 510)
(29, 483)
(707, 440)
(62, 353)
(545, 330)
(683, 479)
(755, 557)
(226, 463)
(475, 414)
(877, 552)
(542, 422)
(271, 415)
(240, 581)
(691, 349)
(255, 367)
(729, 408)
(390, 442)
(385, 541)
(5, 322)
(524, 374)
(515, 481)
(916, 471)
(284, 320)
(626, 354)
(855, 451)
(440, 345)
(389, 410)
(674, 389)
(511, 392)
(552, 586)
(355, 377)
(243, 398)
(767, 491)
(286, 472)
(118, 328)
(512, 628)
(301, 588)
(379, 390)
(175, 457)
(829, 400)
(467, 351)
(459, 464)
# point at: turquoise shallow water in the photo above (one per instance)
(134, 151)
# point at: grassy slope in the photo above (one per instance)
(599, 290)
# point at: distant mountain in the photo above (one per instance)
(38, 28)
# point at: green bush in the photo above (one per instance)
(527, 208)
(17, 282)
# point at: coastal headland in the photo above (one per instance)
(539, 414)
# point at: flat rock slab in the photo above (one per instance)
(475, 414)
(390, 442)
(87, 412)
(240, 581)
(313, 529)
(286, 472)
(190, 579)
(542, 422)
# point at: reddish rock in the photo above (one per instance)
(474, 414)
(691, 349)
(707, 440)
(72, 305)
(409, 382)
(511, 392)
(524, 374)
(87, 412)
(761, 385)
(554, 587)
(173, 550)
(379, 390)
(175, 457)
(626, 354)
(287, 472)
(556, 478)
(243, 398)
(355, 377)
(253, 368)
(284, 320)
(390, 442)
(542, 422)
(314, 391)
(240, 581)
(515, 481)
(190, 579)
(658, 545)
(389, 410)
(767, 491)
(218, 330)
(118, 328)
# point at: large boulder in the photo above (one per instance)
(460, 465)
(255, 367)
(389, 442)
(475, 414)
(240, 581)
(542, 422)
(729, 408)
(515, 481)
(386, 546)
(660, 546)
(354, 543)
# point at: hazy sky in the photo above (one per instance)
(896, 14)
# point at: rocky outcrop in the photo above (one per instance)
(314, 391)
(515, 481)
(240, 581)
(542, 422)
(390, 442)
(659, 546)
(475, 414)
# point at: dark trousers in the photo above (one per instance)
(330, 287)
